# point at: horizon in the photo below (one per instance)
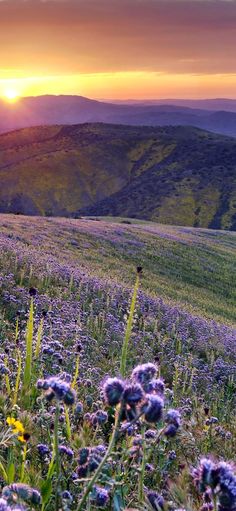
(17, 98)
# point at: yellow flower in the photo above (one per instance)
(17, 427)
(11, 421)
(21, 439)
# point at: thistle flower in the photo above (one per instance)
(100, 496)
(4, 505)
(58, 388)
(153, 409)
(156, 500)
(144, 373)
(172, 455)
(83, 455)
(226, 479)
(173, 419)
(83, 470)
(150, 434)
(155, 386)
(171, 431)
(66, 450)
(205, 475)
(133, 394)
(113, 389)
(66, 495)
(79, 408)
(32, 291)
(101, 416)
(23, 492)
(43, 450)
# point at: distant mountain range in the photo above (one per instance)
(218, 116)
(228, 105)
(175, 175)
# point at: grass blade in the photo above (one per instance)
(129, 327)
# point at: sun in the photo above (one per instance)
(11, 95)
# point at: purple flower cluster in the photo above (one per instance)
(137, 402)
(89, 459)
(221, 478)
(23, 492)
(58, 388)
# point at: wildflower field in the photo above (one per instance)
(117, 365)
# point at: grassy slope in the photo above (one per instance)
(172, 175)
(194, 268)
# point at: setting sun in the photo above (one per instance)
(11, 95)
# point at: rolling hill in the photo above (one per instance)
(174, 175)
(51, 110)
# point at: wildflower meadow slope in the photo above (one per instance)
(118, 365)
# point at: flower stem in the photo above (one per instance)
(142, 471)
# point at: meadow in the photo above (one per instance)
(117, 364)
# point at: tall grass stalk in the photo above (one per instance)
(68, 428)
(39, 339)
(8, 387)
(128, 330)
(76, 374)
(17, 384)
(22, 470)
(29, 348)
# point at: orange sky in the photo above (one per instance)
(118, 48)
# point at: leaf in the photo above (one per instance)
(10, 472)
(46, 490)
(118, 504)
(3, 471)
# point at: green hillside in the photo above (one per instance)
(175, 175)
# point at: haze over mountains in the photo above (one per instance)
(218, 115)
(175, 175)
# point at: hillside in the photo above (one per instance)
(174, 175)
(51, 110)
(192, 270)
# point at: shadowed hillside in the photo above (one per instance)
(175, 175)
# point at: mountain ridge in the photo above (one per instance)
(51, 110)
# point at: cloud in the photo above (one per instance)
(89, 36)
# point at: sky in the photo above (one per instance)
(118, 49)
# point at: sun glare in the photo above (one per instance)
(11, 95)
